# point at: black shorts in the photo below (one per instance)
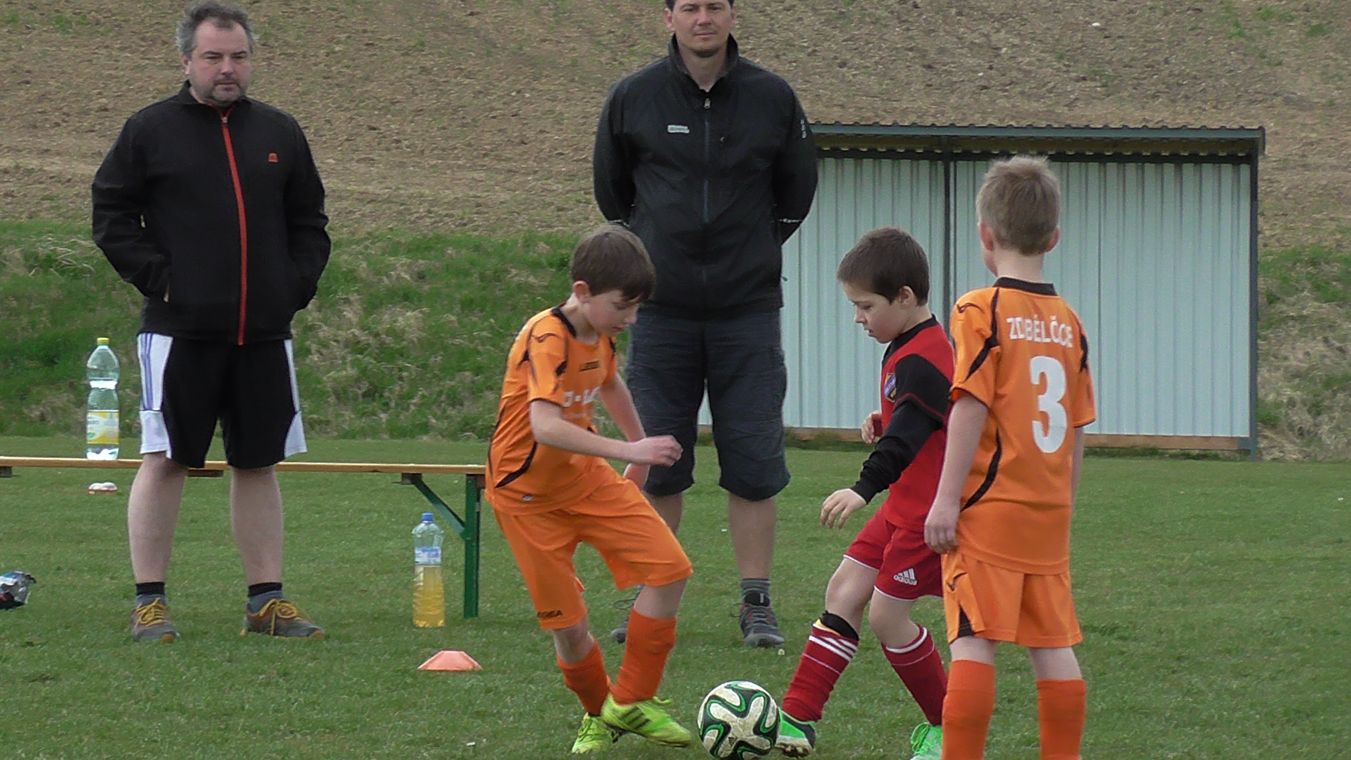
(740, 363)
(187, 385)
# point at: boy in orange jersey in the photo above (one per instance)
(551, 489)
(888, 567)
(1022, 395)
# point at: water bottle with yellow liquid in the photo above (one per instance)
(429, 596)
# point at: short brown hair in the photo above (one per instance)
(223, 15)
(1020, 203)
(884, 261)
(612, 258)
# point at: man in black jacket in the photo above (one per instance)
(708, 158)
(211, 205)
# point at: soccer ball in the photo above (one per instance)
(738, 719)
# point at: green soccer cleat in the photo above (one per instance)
(150, 622)
(926, 741)
(280, 618)
(593, 736)
(797, 738)
(647, 719)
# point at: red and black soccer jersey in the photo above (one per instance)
(547, 363)
(1022, 352)
(908, 457)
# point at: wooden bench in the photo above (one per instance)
(467, 528)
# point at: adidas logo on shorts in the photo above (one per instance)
(906, 576)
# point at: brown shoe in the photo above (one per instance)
(150, 622)
(280, 618)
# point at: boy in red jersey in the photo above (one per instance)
(551, 489)
(1001, 518)
(888, 567)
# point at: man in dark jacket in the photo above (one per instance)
(211, 205)
(708, 158)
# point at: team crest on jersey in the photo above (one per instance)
(889, 386)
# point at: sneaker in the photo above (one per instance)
(593, 736)
(647, 719)
(797, 738)
(280, 618)
(926, 741)
(150, 622)
(759, 626)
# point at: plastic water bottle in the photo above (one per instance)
(102, 425)
(429, 595)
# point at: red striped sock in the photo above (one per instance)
(824, 658)
(921, 669)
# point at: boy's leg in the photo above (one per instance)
(910, 649)
(1049, 630)
(832, 643)
(1061, 702)
(969, 703)
(910, 570)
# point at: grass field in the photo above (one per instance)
(1212, 596)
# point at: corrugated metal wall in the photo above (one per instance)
(1155, 258)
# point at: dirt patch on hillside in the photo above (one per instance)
(479, 116)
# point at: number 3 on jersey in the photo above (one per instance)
(1049, 434)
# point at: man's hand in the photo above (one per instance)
(658, 449)
(837, 507)
(871, 427)
(940, 528)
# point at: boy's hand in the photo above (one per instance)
(637, 473)
(872, 427)
(658, 449)
(837, 507)
(940, 528)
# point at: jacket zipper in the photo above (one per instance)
(708, 103)
(243, 226)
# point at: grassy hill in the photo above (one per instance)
(432, 120)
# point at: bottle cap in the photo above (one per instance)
(103, 341)
(426, 516)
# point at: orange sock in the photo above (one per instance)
(645, 650)
(1060, 711)
(587, 679)
(967, 710)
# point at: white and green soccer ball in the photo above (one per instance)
(738, 719)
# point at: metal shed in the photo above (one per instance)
(1158, 256)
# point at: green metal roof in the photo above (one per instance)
(1086, 140)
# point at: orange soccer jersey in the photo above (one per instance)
(1022, 352)
(547, 363)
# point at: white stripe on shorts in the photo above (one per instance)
(153, 352)
(295, 435)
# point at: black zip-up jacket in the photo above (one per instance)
(222, 210)
(713, 182)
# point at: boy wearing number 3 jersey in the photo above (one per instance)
(1021, 394)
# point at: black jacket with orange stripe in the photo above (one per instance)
(216, 216)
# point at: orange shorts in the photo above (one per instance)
(618, 523)
(998, 604)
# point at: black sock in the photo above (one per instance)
(261, 593)
(755, 591)
(147, 592)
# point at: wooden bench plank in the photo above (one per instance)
(412, 467)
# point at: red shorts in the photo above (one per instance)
(617, 522)
(906, 567)
(1000, 604)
